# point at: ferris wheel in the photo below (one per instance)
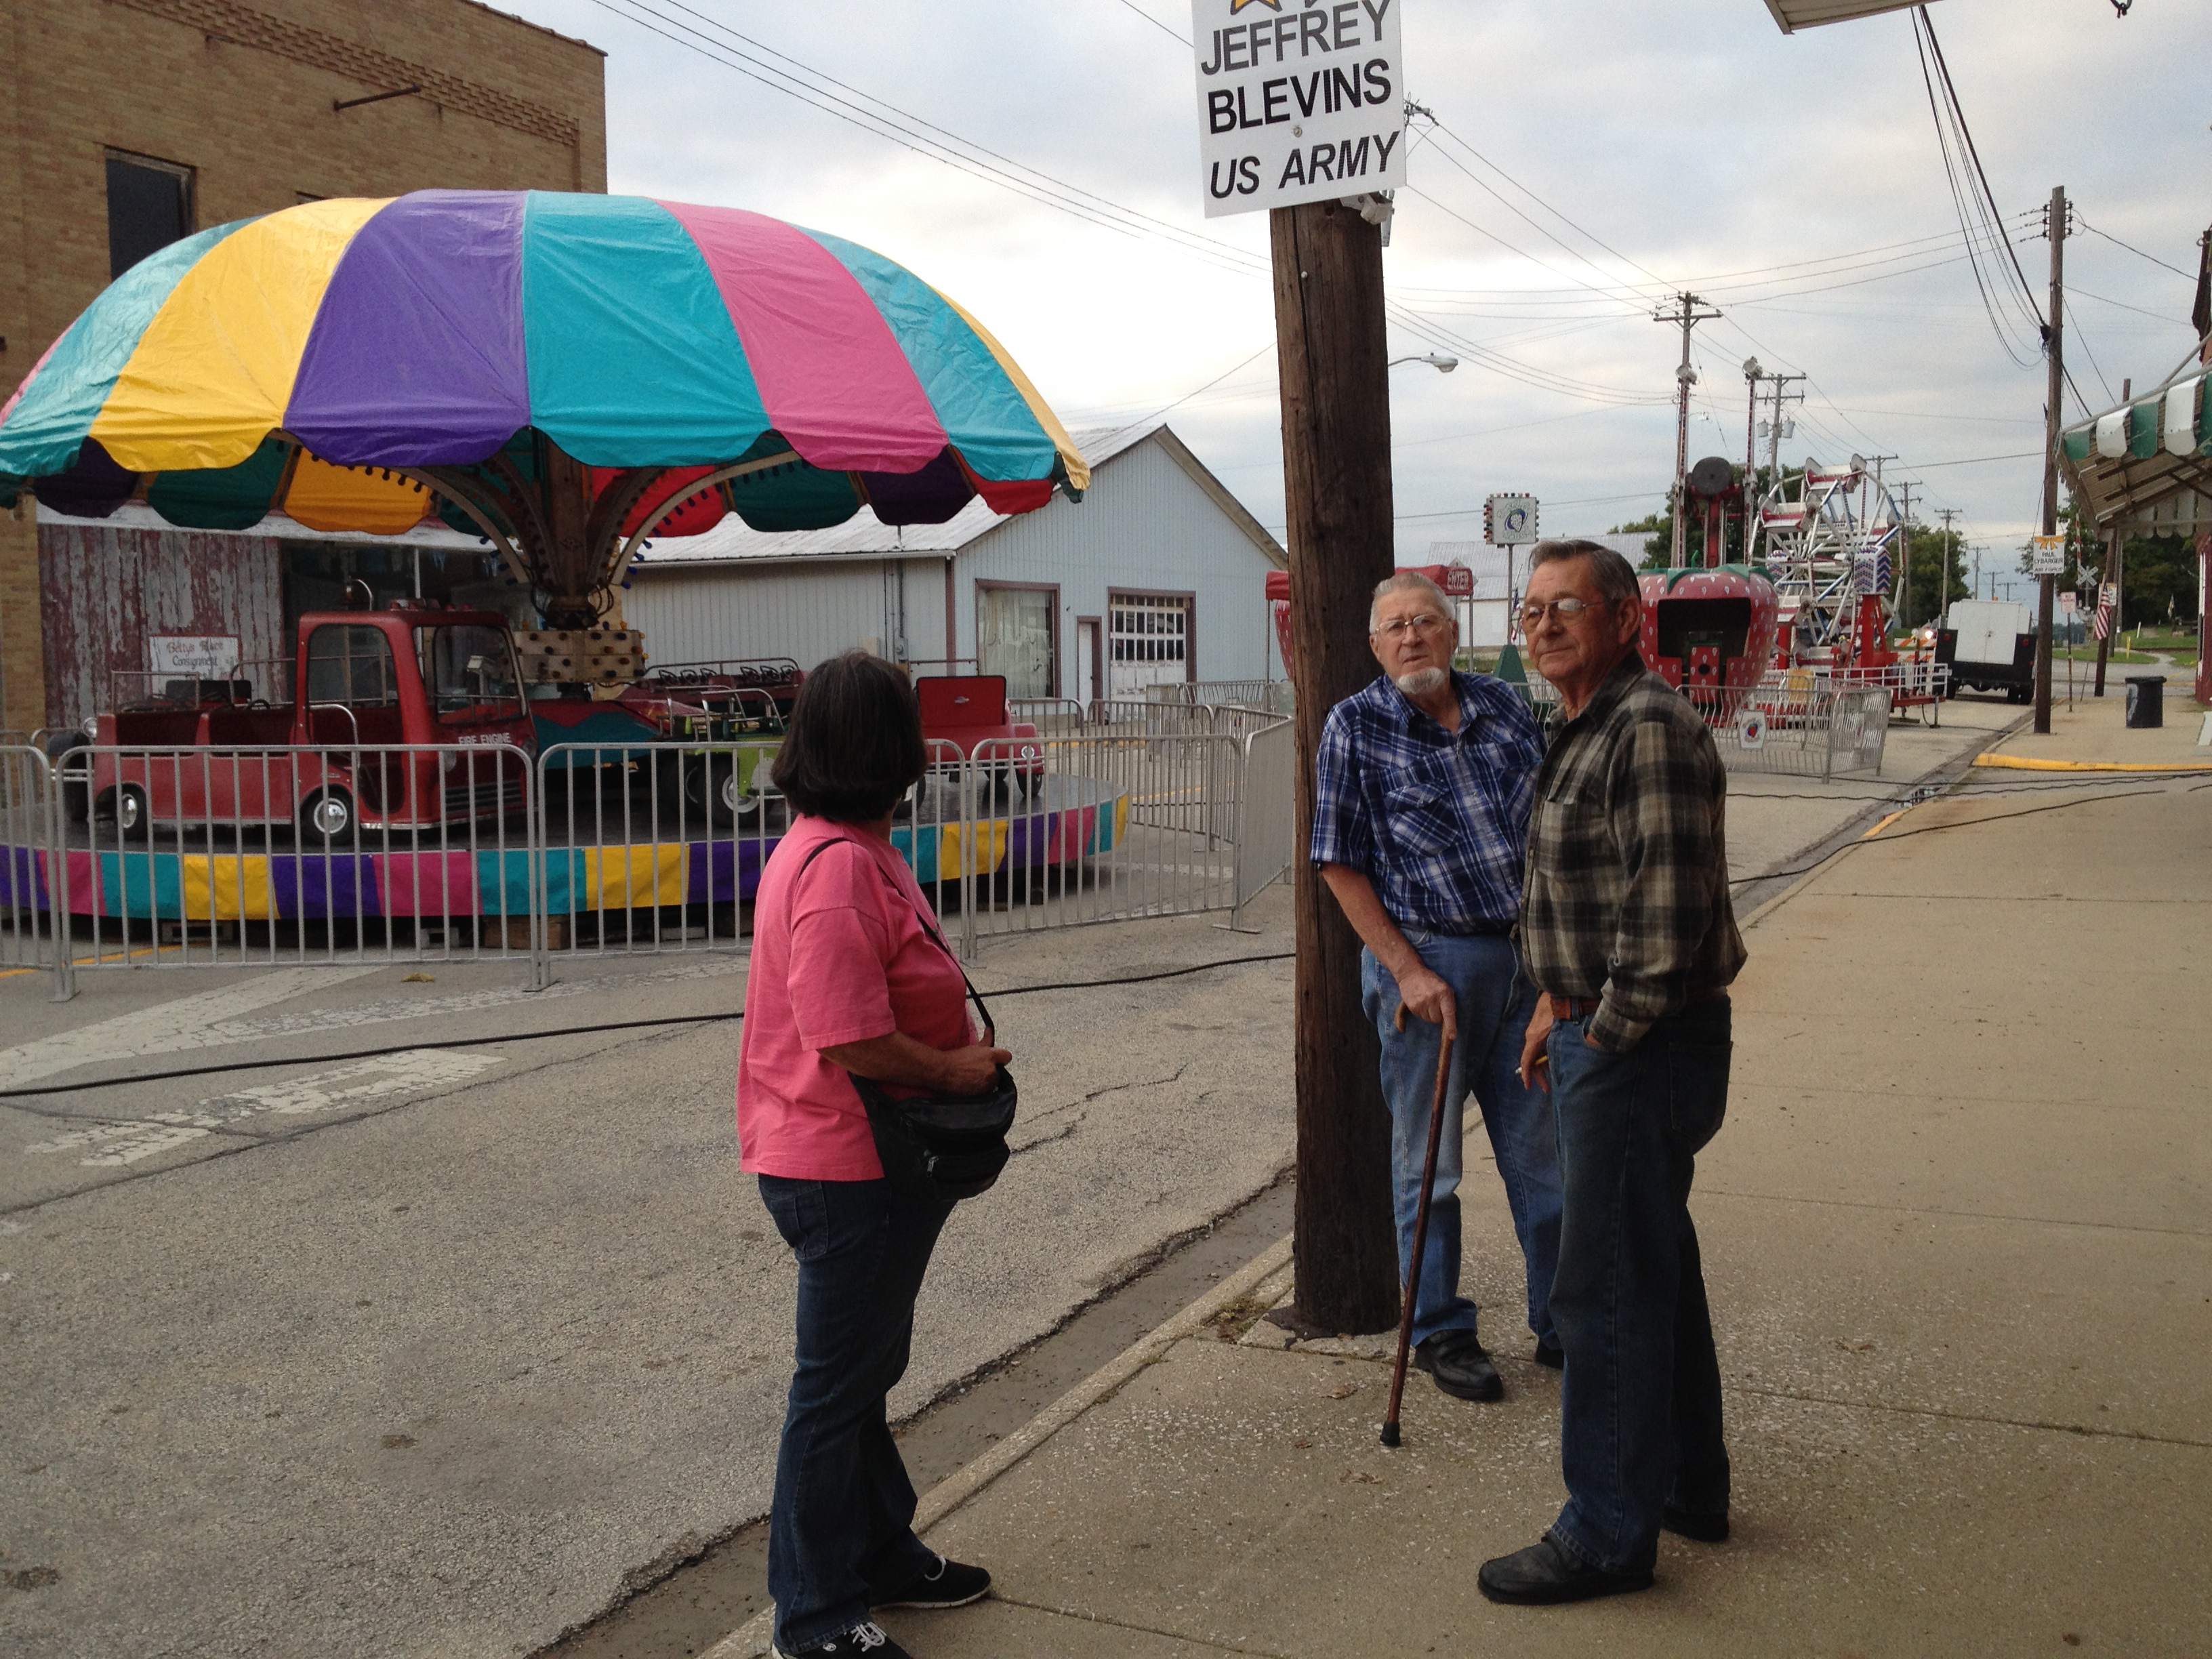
(1828, 538)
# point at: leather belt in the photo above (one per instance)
(1578, 1007)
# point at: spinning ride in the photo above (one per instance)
(565, 376)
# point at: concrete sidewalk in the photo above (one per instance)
(1958, 1238)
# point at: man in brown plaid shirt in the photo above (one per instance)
(1627, 933)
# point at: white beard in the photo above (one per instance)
(1422, 682)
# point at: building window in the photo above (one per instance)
(149, 206)
(1018, 635)
(1147, 641)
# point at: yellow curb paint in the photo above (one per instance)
(1883, 823)
(2032, 764)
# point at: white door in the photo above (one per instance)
(1087, 655)
(1148, 637)
(1013, 637)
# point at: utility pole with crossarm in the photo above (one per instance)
(1687, 314)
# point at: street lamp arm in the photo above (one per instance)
(1436, 360)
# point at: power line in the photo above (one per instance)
(888, 121)
(1155, 22)
(2080, 224)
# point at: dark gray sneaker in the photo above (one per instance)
(1460, 1366)
(861, 1641)
(947, 1585)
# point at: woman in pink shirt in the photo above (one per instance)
(849, 974)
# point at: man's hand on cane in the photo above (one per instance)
(1425, 996)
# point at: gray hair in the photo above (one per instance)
(1614, 576)
(1401, 581)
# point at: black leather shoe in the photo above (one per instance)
(1551, 1356)
(1460, 1366)
(1688, 1523)
(1546, 1573)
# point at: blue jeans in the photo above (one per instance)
(840, 1529)
(1494, 1006)
(1640, 1404)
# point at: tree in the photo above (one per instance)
(1659, 545)
(1934, 553)
(2161, 580)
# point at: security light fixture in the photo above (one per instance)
(1435, 360)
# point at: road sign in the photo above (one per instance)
(1509, 520)
(1297, 105)
(2048, 555)
(2068, 600)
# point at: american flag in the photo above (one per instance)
(2108, 594)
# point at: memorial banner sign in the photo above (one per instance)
(1298, 100)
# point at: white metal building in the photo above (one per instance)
(1159, 574)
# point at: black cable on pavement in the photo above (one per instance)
(574, 1030)
(1871, 839)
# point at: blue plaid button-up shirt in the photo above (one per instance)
(1437, 821)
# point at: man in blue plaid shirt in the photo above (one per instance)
(1420, 821)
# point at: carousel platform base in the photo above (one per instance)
(222, 878)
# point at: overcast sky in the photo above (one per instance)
(1592, 155)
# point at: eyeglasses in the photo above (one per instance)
(1532, 614)
(1398, 627)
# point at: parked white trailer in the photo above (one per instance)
(1990, 647)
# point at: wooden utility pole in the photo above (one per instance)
(1686, 313)
(1943, 577)
(1332, 354)
(2055, 351)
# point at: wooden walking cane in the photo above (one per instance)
(1420, 1241)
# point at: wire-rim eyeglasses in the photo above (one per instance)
(1398, 627)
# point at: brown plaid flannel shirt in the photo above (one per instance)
(1625, 897)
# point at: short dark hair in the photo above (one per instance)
(1614, 576)
(854, 746)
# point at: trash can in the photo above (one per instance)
(2146, 701)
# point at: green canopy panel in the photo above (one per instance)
(2140, 465)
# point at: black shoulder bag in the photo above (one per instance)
(958, 1142)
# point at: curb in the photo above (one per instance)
(2032, 764)
(750, 1639)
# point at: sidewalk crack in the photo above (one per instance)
(2082, 1430)
(1130, 1625)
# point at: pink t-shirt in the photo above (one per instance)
(840, 959)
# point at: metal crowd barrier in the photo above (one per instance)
(1802, 725)
(1274, 695)
(1795, 721)
(343, 854)
(367, 854)
(32, 935)
(652, 849)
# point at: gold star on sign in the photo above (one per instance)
(1236, 6)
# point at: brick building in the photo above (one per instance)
(127, 124)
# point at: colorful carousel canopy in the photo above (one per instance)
(564, 375)
(2146, 464)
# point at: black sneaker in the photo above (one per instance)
(861, 1639)
(1460, 1365)
(947, 1585)
(1551, 1356)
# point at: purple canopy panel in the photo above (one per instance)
(417, 356)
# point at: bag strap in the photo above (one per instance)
(990, 1029)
